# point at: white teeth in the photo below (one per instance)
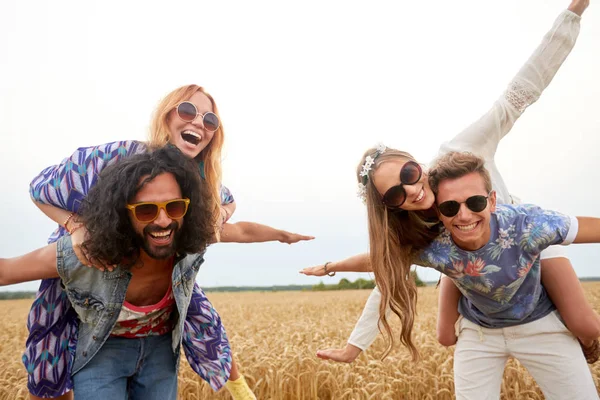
(160, 234)
(420, 196)
(467, 227)
(188, 132)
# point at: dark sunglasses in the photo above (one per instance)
(474, 203)
(410, 173)
(148, 211)
(188, 112)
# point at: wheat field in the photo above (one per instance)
(274, 337)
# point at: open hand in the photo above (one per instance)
(317, 270)
(290, 238)
(345, 355)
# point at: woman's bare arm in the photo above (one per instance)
(38, 264)
(251, 232)
(357, 263)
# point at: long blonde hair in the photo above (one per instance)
(394, 236)
(211, 155)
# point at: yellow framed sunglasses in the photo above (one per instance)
(148, 211)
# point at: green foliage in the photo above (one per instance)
(16, 295)
(418, 280)
(345, 284)
(276, 288)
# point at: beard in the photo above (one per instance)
(159, 252)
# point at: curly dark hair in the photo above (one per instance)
(111, 237)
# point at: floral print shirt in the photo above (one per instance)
(500, 282)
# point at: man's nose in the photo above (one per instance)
(463, 212)
(163, 219)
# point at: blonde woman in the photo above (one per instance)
(187, 118)
(403, 225)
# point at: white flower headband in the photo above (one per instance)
(364, 173)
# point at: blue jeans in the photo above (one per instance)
(141, 368)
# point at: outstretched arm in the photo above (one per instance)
(483, 136)
(251, 232)
(526, 87)
(357, 263)
(38, 264)
(588, 230)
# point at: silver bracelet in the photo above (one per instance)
(332, 273)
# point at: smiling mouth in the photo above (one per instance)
(420, 196)
(161, 236)
(191, 137)
(467, 228)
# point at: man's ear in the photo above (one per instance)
(492, 201)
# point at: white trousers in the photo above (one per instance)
(545, 347)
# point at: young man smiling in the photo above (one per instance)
(492, 254)
(150, 215)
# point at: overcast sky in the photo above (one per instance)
(303, 88)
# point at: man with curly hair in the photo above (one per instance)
(150, 217)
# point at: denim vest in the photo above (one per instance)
(98, 296)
